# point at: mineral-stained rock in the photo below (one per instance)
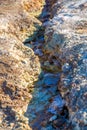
(66, 39)
(19, 67)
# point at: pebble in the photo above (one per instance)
(53, 118)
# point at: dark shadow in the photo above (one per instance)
(10, 115)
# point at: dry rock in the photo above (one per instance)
(66, 39)
(19, 67)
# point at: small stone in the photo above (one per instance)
(57, 105)
(53, 118)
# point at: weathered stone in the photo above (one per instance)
(19, 67)
(66, 38)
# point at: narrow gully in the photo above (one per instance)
(47, 109)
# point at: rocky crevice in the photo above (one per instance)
(43, 84)
(51, 111)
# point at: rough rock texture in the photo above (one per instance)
(19, 67)
(63, 59)
(17, 19)
(66, 42)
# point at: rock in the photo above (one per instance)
(52, 67)
(19, 67)
(66, 38)
(65, 83)
(53, 118)
(24, 25)
(39, 52)
(80, 117)
(50, 79)
(57, 105)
